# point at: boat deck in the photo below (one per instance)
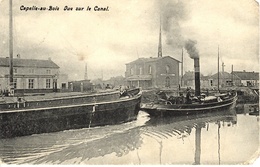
(47, 96)
(61, 100)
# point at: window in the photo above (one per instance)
(150, 70)
(140, 70)
(31, 70)
(48, 71)
(131, 71)
(167, 69)
(63, 85)
(55, 85)
(228, 83)
(15, 83)
(211, 82)
(15, 70)
(30, 83)
(48, 83)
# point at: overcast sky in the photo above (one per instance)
(106, 41)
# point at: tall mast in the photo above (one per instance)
(222, 76)
(160, 42)
(232, 77)
(11, 77)
(218, 68)
(181, 66)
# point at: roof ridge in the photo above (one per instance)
(18, 62)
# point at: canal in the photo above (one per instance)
(224, 137)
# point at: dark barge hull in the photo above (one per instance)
(27, 121)
(161, 110)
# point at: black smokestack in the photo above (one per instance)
(194, 54)
(197, 76)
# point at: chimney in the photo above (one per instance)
(160, 42)
(197, 76)
(194, 54)
(18, 56)
(86, 72)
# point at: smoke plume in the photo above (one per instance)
(191, 49)
(172, 12)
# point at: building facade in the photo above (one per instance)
(80, 86)
(247, 78)
(189, 80)
(30, 75)
(153, 72)
(224, 79)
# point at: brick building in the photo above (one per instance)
(153, 72)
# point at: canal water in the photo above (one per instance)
(225, 137)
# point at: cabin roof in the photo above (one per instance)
(36, 63)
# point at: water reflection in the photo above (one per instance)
(57, 148)
(182, 127)
(133, 142)
(251, 109)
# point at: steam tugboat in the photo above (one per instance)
(200, 103)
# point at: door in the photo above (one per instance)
(167, 82)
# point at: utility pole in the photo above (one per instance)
(223, 75)
(11, 72)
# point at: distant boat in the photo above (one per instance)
(20, 116)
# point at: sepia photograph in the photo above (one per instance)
(129, 82)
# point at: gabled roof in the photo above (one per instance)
(18, 62)
(243, 75)
(150, 59)
(224, 75)
(190, 75)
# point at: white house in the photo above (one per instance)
(30, 75)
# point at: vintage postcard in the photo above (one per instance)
(129, 82)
